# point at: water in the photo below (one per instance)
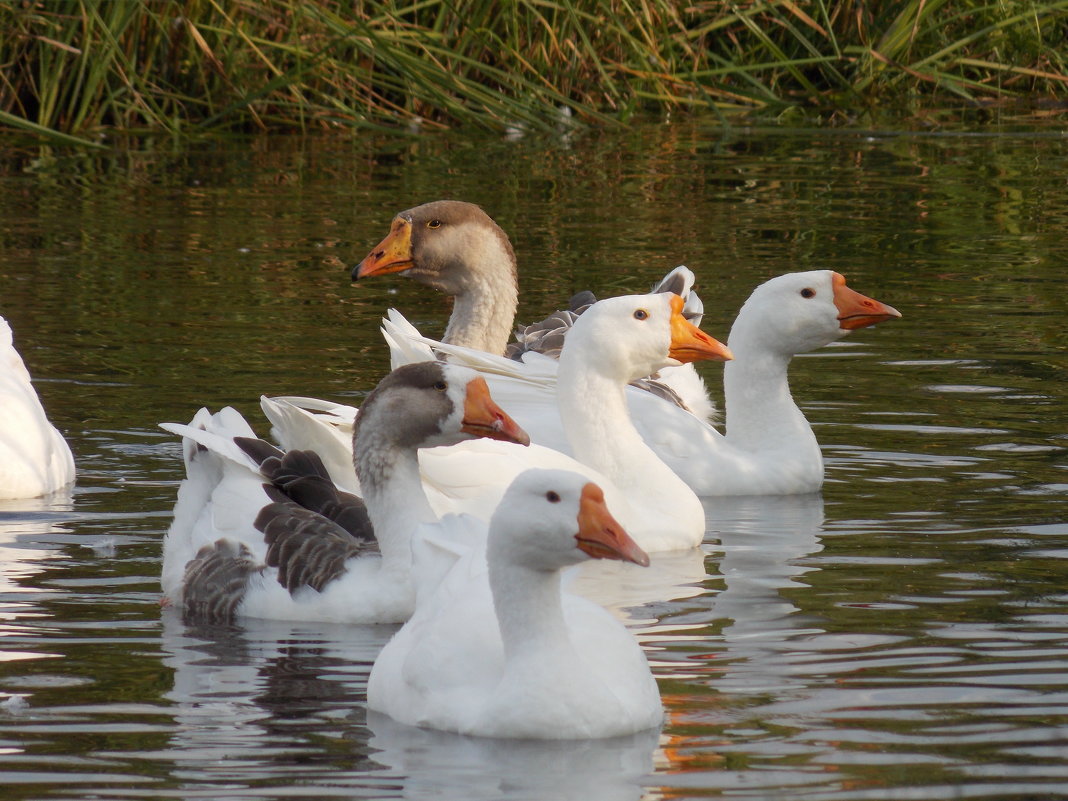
(903, 635)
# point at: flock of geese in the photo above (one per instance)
(588, 437)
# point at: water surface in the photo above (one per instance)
(904, 634)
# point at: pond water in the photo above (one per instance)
(903, 635)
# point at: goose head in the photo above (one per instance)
(450, 245)
(424, 405)
(799, 312)
(635, 335)
(550, 519)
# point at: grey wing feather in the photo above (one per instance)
(216, 580)
(307, 548)
(662, 391)
(302, 477)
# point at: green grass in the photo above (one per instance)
(72, 69)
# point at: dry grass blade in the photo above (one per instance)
(77, 66)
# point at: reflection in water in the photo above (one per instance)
(246, 694)
(31, 529)
(763, 537)
(430, 764)
(625, 589)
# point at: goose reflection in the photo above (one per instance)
(32, 530)
(635, 596)
(433, 765)
(247, 698)
(765, 540)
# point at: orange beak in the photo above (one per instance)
(600, 535)
(484, 418)
(856, 310)
(689, 343)
(392, 255)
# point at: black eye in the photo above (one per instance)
(440, 386)
(434, 224)
(807, 292)
(641, 314)
(552, 497)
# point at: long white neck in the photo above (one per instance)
(597, 423)
(484, 312)
(396, 502)
(760, 411)
(529, 609)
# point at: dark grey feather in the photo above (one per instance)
(301, 476)
(308, 549)
(216, 580)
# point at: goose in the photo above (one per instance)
(456, 248)
(583, 398)
(584, 406)
(238, 547)
(35, 460)
(768, 448)
(498, 650)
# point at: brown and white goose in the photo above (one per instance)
(457, 249)
(240, 548)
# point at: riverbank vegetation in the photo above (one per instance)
(72, 69)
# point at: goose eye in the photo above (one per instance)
(641, 314)
(808, 292)
(552, 497)
(434, 224)
(440, 386)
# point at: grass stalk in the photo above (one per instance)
(75, 67)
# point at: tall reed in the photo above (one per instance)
(73, 68)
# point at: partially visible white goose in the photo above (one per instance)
(35, 460)
(238, 548)
(506, 653)
(456, 248)
(585, 399)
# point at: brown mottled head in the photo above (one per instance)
(441, 244)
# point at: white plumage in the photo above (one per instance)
(35, 460)
(501, 651)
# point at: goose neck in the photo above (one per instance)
(595, 417)
(482, 314)
(760, 409)
(529, 609)
(396, 501)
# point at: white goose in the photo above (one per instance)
(238, 547)
(504, 652)
(768, 448)
(456, 248)
(35, 460)
(617, 340)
